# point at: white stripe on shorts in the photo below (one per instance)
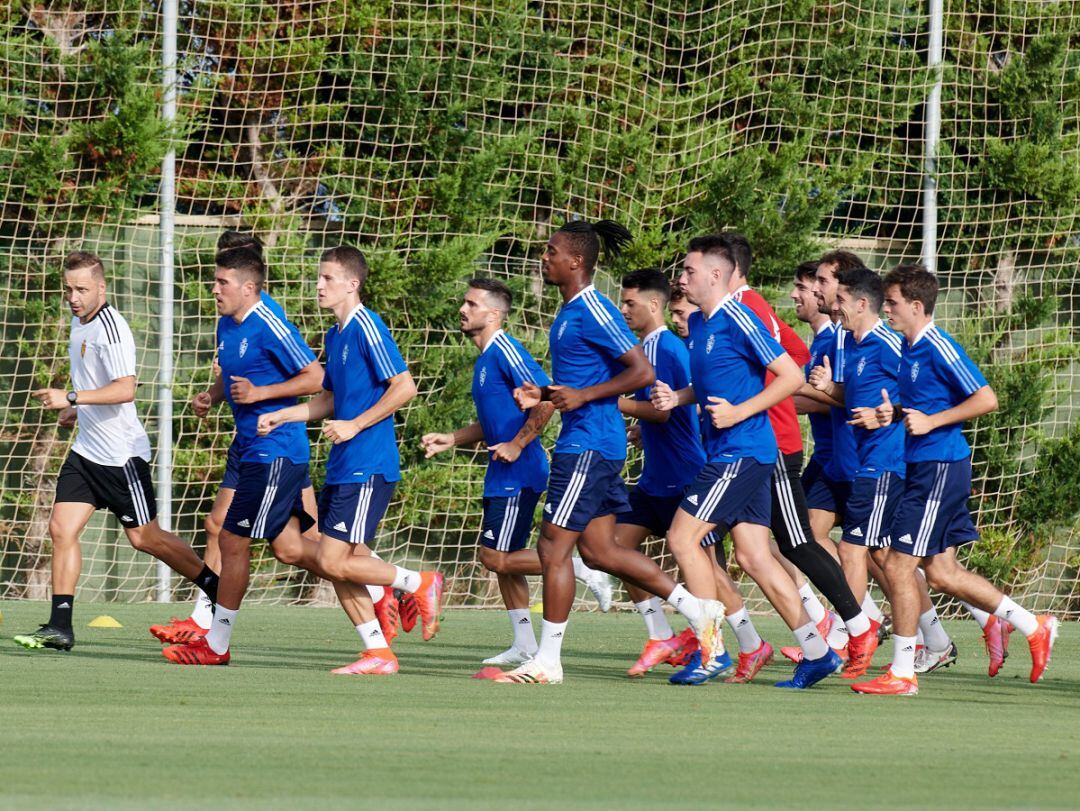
(259, 527)
(716, 492)
(138, 496)
(506, 531)
(573, 490)
(930, 511)
(363, 503)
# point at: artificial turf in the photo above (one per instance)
(112, 725)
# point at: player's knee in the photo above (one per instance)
(752, 561)
(141, 539)
(939, 578)
(212, 526)
(492, 561)
(593, 558)
(287, 553)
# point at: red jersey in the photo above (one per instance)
(782, 416)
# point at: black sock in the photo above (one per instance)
(822, 570)
(61, 611)
(207, 580)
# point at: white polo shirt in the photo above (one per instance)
(103, 350)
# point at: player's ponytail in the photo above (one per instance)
(587, 238)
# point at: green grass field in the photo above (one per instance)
(112, 725)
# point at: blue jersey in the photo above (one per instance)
(936, 375)
(587, 338)
(503, 365)
(673, 452)
(266, 349)
(728, 355)
(821, 424)
(871, 365)
(844, 461)
(360, 359)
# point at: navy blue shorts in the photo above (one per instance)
(870, 510)
(933, 511)
(232, 470)
(584, 486)
(731, 493)
(823, 493)
(352, 512)
(267, 496)
(655, 513)
(508, 520)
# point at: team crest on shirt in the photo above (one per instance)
(344, 354)
(483, 376)
(243, 347)
(562, 329)
(82, 351)
(709, 344)
(691, 344)
(861, 366)
(914, 371)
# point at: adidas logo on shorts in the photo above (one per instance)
(856, 533)
(126, 518)
(245, 524)
(340, 526)
(692, 499)
(905, 539)
(547, 507)
(489, 534)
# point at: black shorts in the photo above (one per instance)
(127, 491)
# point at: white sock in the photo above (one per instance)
(551, 639)
(406, 580)
(521, 623)
(202, 614)
(376, 593)
(371, 635)
(840, 632)
(1019, 618)
(977, 614)
(811, 603)
(581, 571)
(685, 603)
(808, 638)
(919, 638)
(903, 660)
(656, 623)
(221, 629)
(856, 626)
(870, 608)
(744, 630)
(933, 633)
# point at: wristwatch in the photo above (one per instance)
(73, 397)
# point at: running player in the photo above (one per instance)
(729, 353)
(673, 455)
(109, 463)
(256, 346)
(870, 363)
(517, 468)
(366, 382)
(790, 519)
(940, 388)
(594, 360)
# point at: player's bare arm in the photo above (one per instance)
(401, 389)
(981, 402)
(508, 452)
(788, 378)
(121, 390)
(307, 381)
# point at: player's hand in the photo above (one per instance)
(215, 367)
(527, 395)
(243, 391)
(885, 410)
(821, 376)
(54, 399)
(68, 417)
(663, 398)
(917, 423)
(201, 404)
(338, 431)
(436, 443)
(723, 413)
(864, 417)
(268, 422)
(633, 434)
(566, 399)
(505, 451)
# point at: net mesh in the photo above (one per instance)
(446, 138)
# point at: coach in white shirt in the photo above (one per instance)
(109, 463)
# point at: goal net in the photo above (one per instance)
(447, 139)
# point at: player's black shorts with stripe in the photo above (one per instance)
(127, 492)
(790, 518)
